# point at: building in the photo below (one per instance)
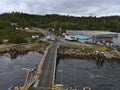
(116, 40)
(84, 38)
(88, 32)
(105, 39)
(80, 38)
(119, 39)
(97, 37)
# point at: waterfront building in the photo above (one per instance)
(116, 40)
(89, 32)
(97, 37)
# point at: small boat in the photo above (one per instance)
(86, 88)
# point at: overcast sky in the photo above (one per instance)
(64, 7)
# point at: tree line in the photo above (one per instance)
(54, 21)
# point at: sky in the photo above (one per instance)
(62, 7)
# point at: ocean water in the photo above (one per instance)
(81, 73)
(13, 71)
(70, 72)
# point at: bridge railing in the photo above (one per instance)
(29, 82)
(43, 58)
(30, 79)
(55, 65)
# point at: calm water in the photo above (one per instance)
(69, 72)
(12, 71)
(87, 73)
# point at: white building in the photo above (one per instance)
(88, 32)
(116, 40)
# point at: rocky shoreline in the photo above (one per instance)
(18, 49)
(99, 56)
(82, 53)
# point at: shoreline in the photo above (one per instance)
(17, 49)
(63, 51)
(99, 56)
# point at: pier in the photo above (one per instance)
(43, 77)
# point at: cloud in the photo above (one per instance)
(65, 7)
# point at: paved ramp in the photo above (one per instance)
(46, 78)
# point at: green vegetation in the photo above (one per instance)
(118, 48)
(43, 43)
(98, 48)
(54, 23)
(0, 41)
(111, 23)
(16, 36)
(17, 39)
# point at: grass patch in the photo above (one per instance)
(99, 48)
(43, 42)
(1, 42)
(16, 36)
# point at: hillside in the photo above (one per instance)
(111, 23)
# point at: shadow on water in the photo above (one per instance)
(13, 71)
(14, 54)
(84, 72)
(59, 58)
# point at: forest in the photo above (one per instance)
(56, 22)
(52, 22)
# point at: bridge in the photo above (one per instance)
(42, 78)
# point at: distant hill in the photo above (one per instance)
(111, 23)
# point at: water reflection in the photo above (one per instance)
(88, 73)
(13, 71)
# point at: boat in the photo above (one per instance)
(86, 88)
